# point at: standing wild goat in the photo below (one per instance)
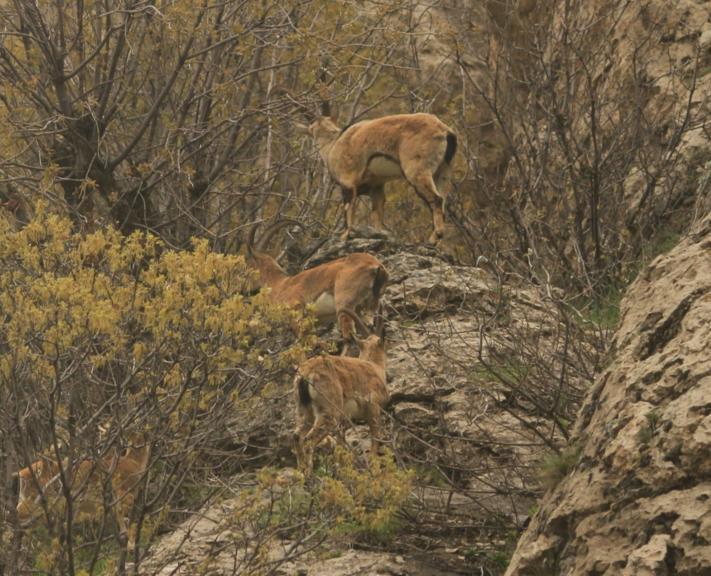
(332, 391)
(43, 484)
(354, 281)
(364, 156)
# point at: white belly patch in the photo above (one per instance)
(383, 168)
(325, 305)
(352, 409)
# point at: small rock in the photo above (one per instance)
(705, 40)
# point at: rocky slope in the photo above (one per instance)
(638, 502)
(473, 453)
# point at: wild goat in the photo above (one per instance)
(332, 391)
(364, 156)
(355, 281)
(44, 480)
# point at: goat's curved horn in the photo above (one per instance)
(323, 89)
(325, 104)
(379, 327)
(360, 325)
(250, 238)
(273, 229)
(294, 100)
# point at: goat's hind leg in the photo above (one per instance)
(345, 323)
(443, 183)
(425, 187)
(373, 418)
(305, 422)
(321, 428)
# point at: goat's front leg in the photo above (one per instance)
(347, 332)
(122, 511)
(373, 419)
(377, 197)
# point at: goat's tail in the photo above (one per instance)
(451, 147)
(303, 390)
(381, 278)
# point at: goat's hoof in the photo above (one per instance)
(436, 237)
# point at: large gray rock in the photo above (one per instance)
(639, 499)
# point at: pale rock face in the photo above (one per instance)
(639, 500)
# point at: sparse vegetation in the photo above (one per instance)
(364, 502)
(646, 433)
(103, 329)
(557, 465)
(143, 140)
(605, 310)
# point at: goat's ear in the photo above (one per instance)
(300, 128)
(333, 114)
(379, 322)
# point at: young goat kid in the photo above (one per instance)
(354, 282)
(364, 156)
(43, 483)
(333, 391)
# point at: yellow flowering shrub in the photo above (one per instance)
(106, 338)
(123, 333)
(363, 502)
(346, 501)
